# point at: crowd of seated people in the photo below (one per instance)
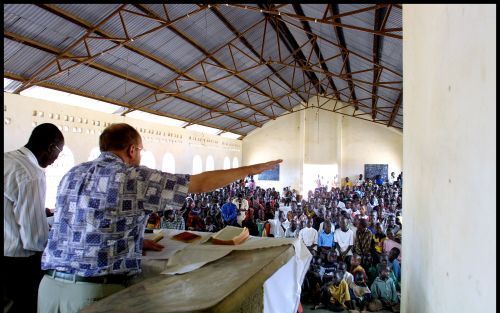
(354, 235)
(240, 204)
(352, 231)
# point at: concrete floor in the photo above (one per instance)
(307, 309)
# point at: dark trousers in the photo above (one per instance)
(21, 278)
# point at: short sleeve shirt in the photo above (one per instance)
(101, 212)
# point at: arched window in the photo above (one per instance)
(227, 163)
(235, 162)
(197, 165)
(168, 164)
(94, 153)
(54, 173)
(148, 159)
(210, 163)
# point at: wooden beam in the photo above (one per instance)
(120, 75)
(291, 45)
(395, 109)
(85, 24)
(105, 99)
(381, 16)
(45, 67)
(193, 43)
(243, 40)
(322, 21)
(334, 9)
(307, 27)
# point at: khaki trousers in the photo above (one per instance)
(56, 295)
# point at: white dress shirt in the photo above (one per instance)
(309, 236)
(25, 226)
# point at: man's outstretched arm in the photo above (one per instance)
(211, 180)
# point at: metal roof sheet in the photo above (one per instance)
(166, 55)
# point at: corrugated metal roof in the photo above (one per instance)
(209, 32)
(177, 10)
(25, 61)
(93, 13)
(205, 96)
(241, 19)
(223, 121)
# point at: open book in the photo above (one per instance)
(230, 235)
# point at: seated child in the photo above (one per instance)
(329, 266)
(360, 292)
(395, 264)
(335, 296)
(383, 291)
(312, 281)
(356, 266)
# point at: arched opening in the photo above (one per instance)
(235, 162)
(148, 159)
(227, 163)
(210, 166)
(168, 164)
(197, 165)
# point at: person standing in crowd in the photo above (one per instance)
(96, 243)
(229, 213)
(25, 223)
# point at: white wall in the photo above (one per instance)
(364, 142)
(449, 158)
(313, 142)
(20, 109)
(322, 148)
(159, 139)
(279, 139)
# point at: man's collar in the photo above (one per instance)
(110, 155)
(30, 156)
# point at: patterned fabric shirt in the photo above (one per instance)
(362, 244)
(101, 212)
(177, 223)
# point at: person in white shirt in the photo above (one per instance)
(292, 231)
(309, 235)
(26, 229)
(341, 205)
(392, 178)
(241, 207)
(344, 240)
(277, 229)
(360, 180)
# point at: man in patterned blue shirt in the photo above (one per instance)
(97, 239)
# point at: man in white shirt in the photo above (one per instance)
(292, 230)
(344, 240)
(309, 235)
(277, 230)
(241, 207)
(392, 178)
(340, 204)
(25, 222)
